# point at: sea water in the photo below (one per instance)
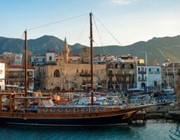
(151, 130)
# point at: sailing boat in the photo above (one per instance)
(44, 112)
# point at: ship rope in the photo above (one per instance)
(55, 22)
(87, 21)
(105, 28)
(96, 27)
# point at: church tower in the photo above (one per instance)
(66, 51)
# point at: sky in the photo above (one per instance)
(115, 22)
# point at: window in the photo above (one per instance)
(149, 69)
(123, 66)
(117, 66)
(56, 73)
(131, 66)
(50, 58)
(30, 73)
(110, 66)
(110, 72)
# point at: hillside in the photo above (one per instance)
(158, 49)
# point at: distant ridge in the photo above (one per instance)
(158, 49)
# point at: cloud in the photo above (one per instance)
(122, 2)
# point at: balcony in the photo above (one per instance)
(169, 73)
(141, 72)
(110, 74)
(142, 79)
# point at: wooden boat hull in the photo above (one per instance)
(119, 117)
(111, 120)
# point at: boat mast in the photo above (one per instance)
(91, 48)
(25, 64)
(25, 69)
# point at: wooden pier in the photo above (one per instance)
(153, 113)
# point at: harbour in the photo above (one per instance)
(152, 129)
(142, 117)
(17, 108)
(51, 89)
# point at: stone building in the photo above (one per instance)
(170, 73)
(72, 76)
(121, 73)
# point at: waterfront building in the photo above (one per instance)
(121, 73)
(2, 76)
(170, 73)
(15, 76)
(148, 76)
(69, 76)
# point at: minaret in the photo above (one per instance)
(66, 51)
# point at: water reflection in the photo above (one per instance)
(152, 130)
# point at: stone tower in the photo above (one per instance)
(66, 51)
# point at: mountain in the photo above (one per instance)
(158, 49)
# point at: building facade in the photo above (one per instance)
(38, 60)
(15, 76)
(2, 76)
(71, 77)
(50, 57)
(121, 73)
(149, 76)
(170, 74)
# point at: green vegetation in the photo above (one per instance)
(158, 49)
